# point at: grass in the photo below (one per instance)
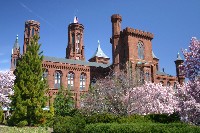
(6, 129)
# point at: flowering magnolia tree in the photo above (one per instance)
(6, 84)
(189, 93)
(189, 101)
(118, 96)
(191, 66)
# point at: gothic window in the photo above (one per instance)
(70, 80)
(168, 83)
(140, 50)
(82, 81)
(57, 80)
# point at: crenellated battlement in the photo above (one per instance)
(131, 31)
(32, 22)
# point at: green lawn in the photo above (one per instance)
(6, 129)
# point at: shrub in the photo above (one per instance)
(101, 118)
(164, 118)
(1, 115)
(68, 124)
(141, 128)
(133, 119)
(22, 123)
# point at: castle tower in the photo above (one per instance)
(15, 54)
(99, 56)
(179, 74)
(31, 28)
(116, 20)
(75, 48)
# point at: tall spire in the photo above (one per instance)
(16, 44)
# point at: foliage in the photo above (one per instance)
(6, 129)
(164, 118)
(101, 118)
(68, 124)
(116, 95)
(29, 87)
(140, 128)
(1, 116)
(6, 84)
(191, 66)
(63, 103)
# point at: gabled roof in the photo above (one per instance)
(16, 44)
(99, 52)
(78, 62)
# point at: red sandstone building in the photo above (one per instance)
(131, 51)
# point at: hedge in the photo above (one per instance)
(141, 128)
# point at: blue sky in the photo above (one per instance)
(173, 23)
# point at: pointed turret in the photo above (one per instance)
(16, 44)
(99, 56)
(15, 54)
(179, 73)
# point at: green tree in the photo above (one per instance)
(63, 103)
(29, 88)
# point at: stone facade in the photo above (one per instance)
(131, 51)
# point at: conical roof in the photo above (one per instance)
(16, 44)
(178, 57)
(154, 55)
(99, 52)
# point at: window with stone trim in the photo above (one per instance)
(140, 50)
(82, 81)
(57, 81)
(70, 80)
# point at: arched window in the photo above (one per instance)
(78, 44)
(33, 31)
(162, 83)
(140, 75)
(73, 39)
(168, 83)
(175, 85)
(70, 80)
(140, 50)
(45, 74)
(57, 80)
(15, 62)
(82, 81)
(147, 76)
